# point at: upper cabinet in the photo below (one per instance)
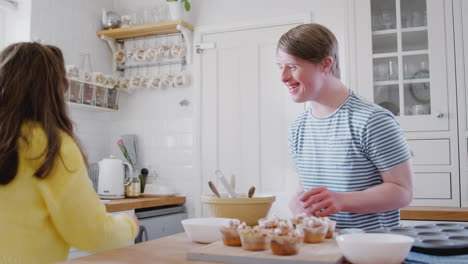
(402, 62)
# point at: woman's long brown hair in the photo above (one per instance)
(32, 86)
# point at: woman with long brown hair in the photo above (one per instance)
(46, 201)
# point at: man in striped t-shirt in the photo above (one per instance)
(351, 156)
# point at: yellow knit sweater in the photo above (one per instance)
(41, 218)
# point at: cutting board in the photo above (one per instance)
(326, 252)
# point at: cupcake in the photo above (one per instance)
(298, 219)
(230, 234)
(315, 230)
(286, 240)
(331, 227)
(269, 224)
(254, 239)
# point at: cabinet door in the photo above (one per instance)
(402, 60)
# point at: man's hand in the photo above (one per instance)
(320, 201)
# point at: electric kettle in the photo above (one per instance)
(112, 178)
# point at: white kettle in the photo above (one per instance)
(111, 180)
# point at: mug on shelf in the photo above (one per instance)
(120, 56)
(181, 79)
(168, 80)
(151, 54)
(156, 82)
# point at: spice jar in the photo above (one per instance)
(133, 188)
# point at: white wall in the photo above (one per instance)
(18, 27)
(72, 25)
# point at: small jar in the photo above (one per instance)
(133, 188)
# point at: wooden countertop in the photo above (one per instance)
(170, 250)
(142, 202)
(434, 213)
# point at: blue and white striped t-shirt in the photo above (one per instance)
(346, 152)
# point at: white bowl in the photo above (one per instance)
(371, 248)
(204, 230)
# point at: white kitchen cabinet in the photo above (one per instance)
(460, 10)
(405, 63)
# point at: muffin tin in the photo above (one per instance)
(442, 239)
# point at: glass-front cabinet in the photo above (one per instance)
(402, 43)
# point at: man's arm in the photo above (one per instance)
(395, 192)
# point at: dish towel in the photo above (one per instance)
(420, 258)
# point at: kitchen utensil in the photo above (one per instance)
(213, 188)
(204, 230)
(219, 174)
(112, 178)
(251, 191)
(245, 209)
(232, 182)
(143, 176)
(375, 248)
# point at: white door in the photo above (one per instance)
(246, 113)
(402, 59)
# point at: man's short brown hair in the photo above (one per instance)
(312, 42)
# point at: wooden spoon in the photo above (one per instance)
(251, 191)
(213, 188)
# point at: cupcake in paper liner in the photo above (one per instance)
(286, 240)
(315, 230)
(230, 233)
(254, 239)
(331, 226)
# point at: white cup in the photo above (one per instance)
(155, 82)
(164, 51)
(73, 71)
(181, 79)
(139, 55)
(168, 80)
(98, 78)
(177, 51)
(151, 54)
(120, 56)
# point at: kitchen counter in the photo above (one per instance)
(433, 213)
(142, 202)
(170, 250)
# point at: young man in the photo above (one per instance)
(351, 156)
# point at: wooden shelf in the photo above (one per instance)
(90, 108)
(162, 28)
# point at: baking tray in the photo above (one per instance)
(442, 239)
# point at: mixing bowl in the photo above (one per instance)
(372, 248)
(245, 209)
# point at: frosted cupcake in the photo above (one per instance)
(269, 224)
(230, 233)
(254, 239)
(298, 219)
(315, 230)
(331, 227)
(286, 240)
